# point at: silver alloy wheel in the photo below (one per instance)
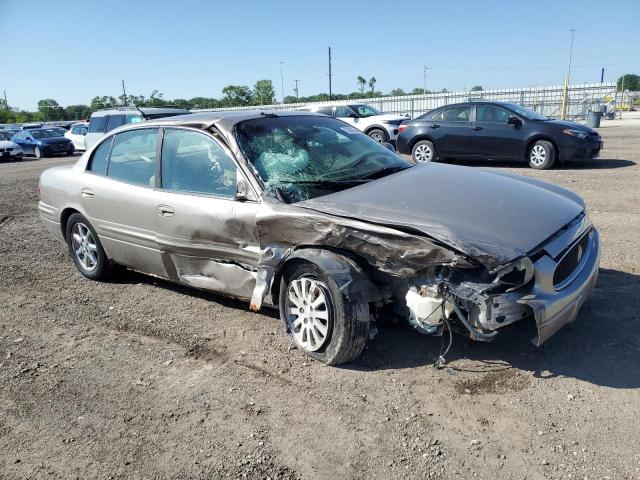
(84, 246)
(307, 312)
(423, 153)
(538, 155)
(37, 152)
(377, 137)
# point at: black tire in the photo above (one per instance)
(102, 267)
(424, 151)
(541, 155)
(38, 153)
(70, 150)
(348, 328)
(378, 135)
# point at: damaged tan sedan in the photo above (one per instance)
(307, 214)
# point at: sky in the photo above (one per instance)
(73, 51)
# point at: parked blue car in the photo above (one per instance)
(43, 142)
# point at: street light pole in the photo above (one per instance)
(573, 31)
(282, 81)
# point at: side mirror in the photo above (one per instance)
(513, 120)
(389, 146)
(243, 192)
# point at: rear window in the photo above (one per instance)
(97, 124)
(115, 121)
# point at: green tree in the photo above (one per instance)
(417, 91)
(476, 88)
(397, 92)
(204, 102)
(156, 99)
(50, 110)
(102, 102)
(631, 82)
(362, 83)
(77, 112)
(264, 93)
(236, 96)
(372, 84)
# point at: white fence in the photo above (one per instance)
(545, 100)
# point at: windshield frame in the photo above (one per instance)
(349, 182)
(526, 112)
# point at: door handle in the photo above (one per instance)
(478, 128)
(166, 211)
(87, 193)
(434, 126)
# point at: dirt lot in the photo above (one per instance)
(138, 378)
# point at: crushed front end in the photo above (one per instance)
(549, 285)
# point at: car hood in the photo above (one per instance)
(53, 140)
(489, 216)
(8, 144)
(573, 125)
(390, 116)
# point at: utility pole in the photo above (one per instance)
(329, 73)
(124, 95)
(565, 89)
(573, 31)
(282, 81)
(424, 78)
(5, 99)
(296, 89)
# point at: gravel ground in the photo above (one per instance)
(138, 378)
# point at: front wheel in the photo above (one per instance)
(70, 150)
(319, 319)
(379, 135)
(423, 151)
(85, 248)
(38, 153)
(542, 155)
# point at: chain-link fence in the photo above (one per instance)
(545, 100)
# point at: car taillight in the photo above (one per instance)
(402, 127)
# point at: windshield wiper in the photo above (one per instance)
(383, 172)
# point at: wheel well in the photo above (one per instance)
(375, 127)
(534, 140)
(357, 264)
(419, 138)
(64, 218)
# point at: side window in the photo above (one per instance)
(489, 114)
(195, 163)
(97, 124)
(456, 114)
(115, 121)
(75, 130)
(133, 119)
(133, 157)
(344, 112)
(99, 158)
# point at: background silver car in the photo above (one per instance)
(303, 212)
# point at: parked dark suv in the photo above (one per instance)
(495, 130)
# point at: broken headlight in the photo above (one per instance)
(515, 274)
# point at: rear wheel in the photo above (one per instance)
(85, 248)
(320, 320)
(423, 151)
(542, 155)
(379, 135)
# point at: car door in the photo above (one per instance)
(346, 114)
(25, 141)
(493, 135)
(118, 195)
(207, 236)
(451, 128)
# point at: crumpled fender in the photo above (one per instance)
(352, 281)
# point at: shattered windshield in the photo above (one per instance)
(302, 157)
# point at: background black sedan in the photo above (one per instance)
(495, 130)
(44, 142)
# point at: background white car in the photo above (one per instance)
(9, 149)
(76, 134)
(382, 127)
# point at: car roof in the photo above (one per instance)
(230, 117)
(143, 110)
